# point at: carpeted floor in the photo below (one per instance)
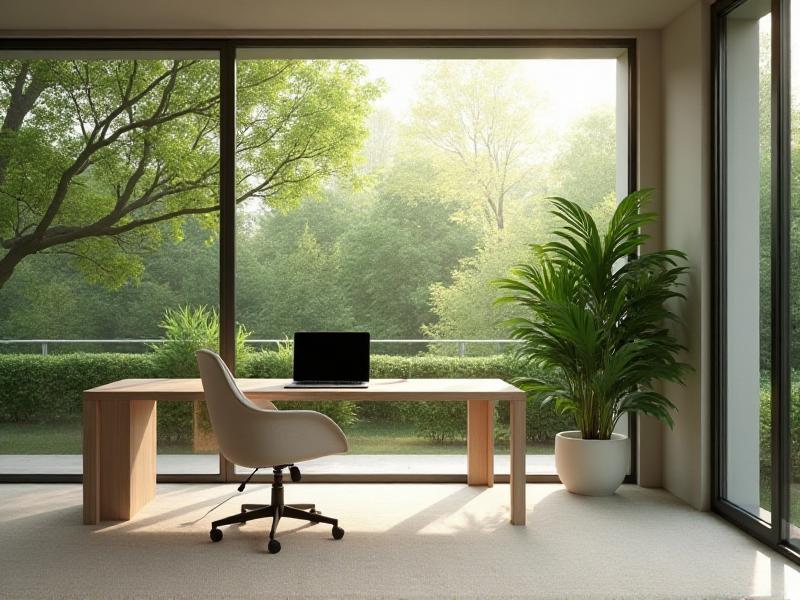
(402, 541)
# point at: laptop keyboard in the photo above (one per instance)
(338, 382)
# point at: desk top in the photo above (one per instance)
(273, 389)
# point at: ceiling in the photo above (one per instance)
(254, 17)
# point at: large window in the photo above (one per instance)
(757, 280)
(109, 187)
(156, 201)
(407, 185)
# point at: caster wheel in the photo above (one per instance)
(338, 532)
(215, 535)
(244, 510)
(274, 546)
(314, 511)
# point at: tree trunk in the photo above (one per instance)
(21, 101)
(9, 262)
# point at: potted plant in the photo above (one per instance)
(595, 334)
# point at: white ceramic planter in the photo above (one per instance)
(591, 467)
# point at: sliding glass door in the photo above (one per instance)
(757, 269)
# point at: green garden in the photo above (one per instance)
(41, 403)
(371, 195)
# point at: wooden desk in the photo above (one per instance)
(119, 431)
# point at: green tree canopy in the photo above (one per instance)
(474, 119)
(584, 169)
(96, 154)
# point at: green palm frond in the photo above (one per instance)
(596, 324)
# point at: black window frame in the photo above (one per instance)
(776, 532)
(226, 48)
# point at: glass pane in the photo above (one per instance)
(385, 195)
(108, 201)
(794, 281)
(748, 278)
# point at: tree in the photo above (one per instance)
(475, 117)
(465, 308)
(584, 169)
(47, 297)
(362, 259)
(297, 289)
(402, 242)
(96, 154)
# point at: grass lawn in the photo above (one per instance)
(36, 438)
(364, 438)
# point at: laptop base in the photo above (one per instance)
(327, 384)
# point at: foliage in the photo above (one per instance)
(96, 154)
(187, 330)
(441, 421)
(305, 290)
(765, 429)
(48, 297)
(584, 167)
(463, 309)
(350, 261)
(597, 331)
(473, 118)
(398, 257)
(402, 242)
(37, 389)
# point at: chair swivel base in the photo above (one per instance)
(277, 510)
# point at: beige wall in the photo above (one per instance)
(649, 467)
(686, 226)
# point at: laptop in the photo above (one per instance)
(327, 359)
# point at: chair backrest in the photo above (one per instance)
(230, 410)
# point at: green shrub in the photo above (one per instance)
(35, 388)
(765, 427)
(46, 389)
(444, 421)
(187, 330)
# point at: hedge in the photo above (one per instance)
(439, 421)
(765, 433)
(41, 389)
(36, 388)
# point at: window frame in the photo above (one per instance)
(226, 49)
(776, 532)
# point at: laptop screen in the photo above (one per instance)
(331, 356)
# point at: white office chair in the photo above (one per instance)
(256, 437)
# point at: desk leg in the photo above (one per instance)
(119, 458)
(518, 449)
(91, 462)
(480, 442)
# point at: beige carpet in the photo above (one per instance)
(402, 541)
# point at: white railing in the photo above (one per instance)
(461, 343)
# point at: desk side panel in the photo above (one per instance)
(91, 461)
